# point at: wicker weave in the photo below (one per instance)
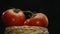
(26, 30)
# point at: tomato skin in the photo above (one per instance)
(11, 18)
(39, 19)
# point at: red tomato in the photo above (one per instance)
(27, 22)
(13, 17)
(38, 19)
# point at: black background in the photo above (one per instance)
(47, 7)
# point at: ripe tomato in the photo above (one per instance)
(27, 22)
(38, 19)
(13, 17)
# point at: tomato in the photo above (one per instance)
(38, 19)
(27, 22)
(13, 17)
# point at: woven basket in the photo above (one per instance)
(26, 30)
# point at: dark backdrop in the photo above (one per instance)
(44, 6)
